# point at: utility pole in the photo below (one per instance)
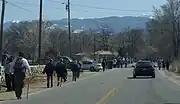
(69, 26)
(2, 35)
(94, 47)
(40, 29)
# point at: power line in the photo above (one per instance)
(57, 1)
(35, 5)
(25, 3)
(18, 7)
(94, 7)
(110, 8)
(12, 4)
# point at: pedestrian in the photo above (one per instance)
(74, 69)
(159, 64)
(79, 68)
(167, 64)
(19, 68)
(121, 62)
(61, 71)
(114, 63)
(118, 62)
(104, 65)
(8, 78)
(49, 70)
(11, 73)
(163, 65)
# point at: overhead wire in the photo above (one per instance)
(63, 3)
(63, 9)
(28, 4)
(17, 6)
(95, 7)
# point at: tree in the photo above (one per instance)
(24, 37)
(164, 29)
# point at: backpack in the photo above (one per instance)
(18, 65)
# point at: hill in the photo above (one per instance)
(117, 24)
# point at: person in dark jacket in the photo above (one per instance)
(159, 64)
(79, 69)
(118, 63)
(61, 71)
(167, 65)
(74, 69)
(104, 65)
(121, 62)
(49, 69)
(163, 65)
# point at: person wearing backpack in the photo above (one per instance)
(19, 69)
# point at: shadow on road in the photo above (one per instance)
(139, 77)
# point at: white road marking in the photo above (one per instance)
(171, 79)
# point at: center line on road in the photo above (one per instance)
(110, 93)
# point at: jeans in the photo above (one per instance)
(74, 75)
(49, 79)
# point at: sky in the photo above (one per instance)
(55, 10)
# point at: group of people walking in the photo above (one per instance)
(15, 72)
(61, 71)
(163, 64)
(16, 69)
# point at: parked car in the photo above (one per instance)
(67, 60)
(144, 68)
(91, 65)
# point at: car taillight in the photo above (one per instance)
(145, 67)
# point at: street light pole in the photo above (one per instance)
(40, 29)
(69, 26)
(2, 35)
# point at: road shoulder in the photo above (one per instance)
(174, 77)
(39, 87)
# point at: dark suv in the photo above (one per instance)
(144, 68)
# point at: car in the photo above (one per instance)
(144, 68)
(67, 60)
(91, 65)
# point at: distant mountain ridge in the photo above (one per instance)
(117, 24)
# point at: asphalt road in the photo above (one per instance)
(112, 87)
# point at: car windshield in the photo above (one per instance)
(144, 64)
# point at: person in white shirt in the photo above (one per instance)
(19, 67)
(8, 76)
(114, 63)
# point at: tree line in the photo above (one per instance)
(161, 38)
(23, 36)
